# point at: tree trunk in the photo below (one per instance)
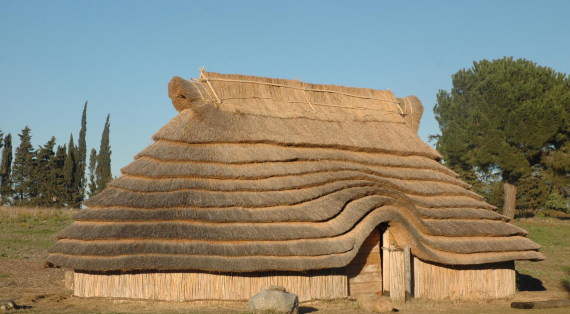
(510, 195)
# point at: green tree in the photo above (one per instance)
(5, 171)
(103, 168)
(23, 169)
(557, 162)
(44, 174)
(92, 167)
(488, 184)
(57, 166)
(70, 174)
(556, 201)
(502, 114)
(81, 160)
(533, 190)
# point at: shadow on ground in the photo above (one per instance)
(307, 309)
(529, 283)
(525, 214)
(566, 282)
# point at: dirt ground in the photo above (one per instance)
(41, 290)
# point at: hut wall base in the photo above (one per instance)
(193, 286)
(470, 282)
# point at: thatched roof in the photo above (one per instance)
(259, 174)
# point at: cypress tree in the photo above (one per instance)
(60, 189)
(92, 167)
(81, 160)
(22, 170)
(70, 173)
(44, 174)
(103, 168)
(5, 171)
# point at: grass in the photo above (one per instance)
(554, 236)
(29, 232)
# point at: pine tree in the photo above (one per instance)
(92, 167)
(5, 171)
(44, 174)
(69, 173)
(82, 158)
(503, 114)
(533, 191)
(557, 162)
(23, 169)
(103, 169)
(57, 166)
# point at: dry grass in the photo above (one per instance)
(27, 232)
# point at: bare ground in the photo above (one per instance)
(41, 290)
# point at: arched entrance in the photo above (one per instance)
(381, 266)
(365, 271)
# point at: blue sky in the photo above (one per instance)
(120, 55)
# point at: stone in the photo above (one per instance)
(273, 301)
(6, 305)
(277, 288)
(371, 302)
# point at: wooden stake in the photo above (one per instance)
(408, 272)
(386, 262)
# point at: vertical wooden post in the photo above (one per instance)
(416, 277)
(69, 279)
(386, 263)
(408, 272)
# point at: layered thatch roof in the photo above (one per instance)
(259, 174)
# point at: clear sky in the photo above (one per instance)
(120, 55)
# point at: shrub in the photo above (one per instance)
(558, 202)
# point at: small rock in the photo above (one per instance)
(371, 302)
(6, 305)
(277, 288)
(272, 301)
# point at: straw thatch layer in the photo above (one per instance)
(211, 125)
(235, 154)
(245, 179)
(215, 253)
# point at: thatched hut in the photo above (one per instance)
(326, 190)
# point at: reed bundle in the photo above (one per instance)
(464, 282)
(195, 286)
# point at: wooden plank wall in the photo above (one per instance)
(487, 281)
(365, 271)
(192, 286)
